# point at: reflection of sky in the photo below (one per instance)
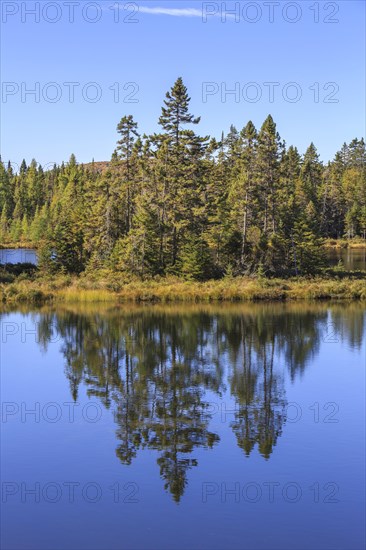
(352, 258)
(307, 452)
(14, 256)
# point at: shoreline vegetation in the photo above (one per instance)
(344, 243)
(30, 287)
(26, 284)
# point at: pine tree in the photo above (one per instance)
(6, 194)
(4, 224)
(127, 128)
(310, 182)
(288, 207)
(242, 197)
(178, 159)
(269, 148)
(308, 255)
(175, 113)
(25, 228)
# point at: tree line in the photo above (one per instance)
(183, 204)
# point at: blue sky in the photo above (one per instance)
(152, 44)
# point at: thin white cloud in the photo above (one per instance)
(178, 12)
(175, 12)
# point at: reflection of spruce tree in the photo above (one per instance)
(272, 412)
(73, 350)
(74, 376)
(243, 384)
(170, 416)
(104, 377)
(259, 392)
(130, 414)
(256, 385)
(350, 328)
(300, 339)
(179, 423)
(92, 351)
(153, 370)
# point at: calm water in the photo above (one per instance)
(202, 427)
(352, 258)
(18, 255)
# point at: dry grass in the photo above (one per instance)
(345, 243)
(75, 295)
(110, 288)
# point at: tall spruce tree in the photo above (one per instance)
(269, 149)
(175, 114)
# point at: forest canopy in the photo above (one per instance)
(189, 205)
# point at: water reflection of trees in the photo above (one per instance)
(156, 368)
(260, 396)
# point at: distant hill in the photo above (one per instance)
(100, 166)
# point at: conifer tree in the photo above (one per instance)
(243, 200)
(4, 224)
(175, 113)
(310, 183)
(269, 148)
(127, 128)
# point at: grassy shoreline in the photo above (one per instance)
(344, 243)
(112, 289)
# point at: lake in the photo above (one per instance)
(211, 427)
(18, 255)
(353, 259)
